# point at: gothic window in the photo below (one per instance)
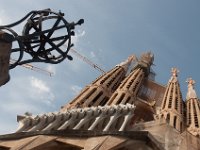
(176, 103)
(189, 115)
(174, 123)
(104, 101)
(168, 118)
(170, 101)
(115, 86)
(121, 98)
(96, 97)
(195, 116)
(112, 98)
(128, 99)
(117, 81)
(90, 93)
(129, 84)
(108, 75)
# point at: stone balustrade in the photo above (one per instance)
(80, 119)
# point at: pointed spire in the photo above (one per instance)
(193, 109)
(174, 76)
(172, 104)
(128, 89)
(191, 91)
(125, 64)
(144, 62)
(100, 90)
(147, 58)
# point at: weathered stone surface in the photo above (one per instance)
(157, 122)
(5, 50)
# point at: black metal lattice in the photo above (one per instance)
(43, 35)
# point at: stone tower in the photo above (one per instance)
(117, 111)
(193, 109)
(172, 104)
(128, 89)
(100, 90)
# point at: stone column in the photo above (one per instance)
(126, 120)
(5, 51)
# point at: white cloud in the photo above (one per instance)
(39, 85)
(75, 89)
(78, 35)
(42, 90)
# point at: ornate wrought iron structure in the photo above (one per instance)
(43, 35)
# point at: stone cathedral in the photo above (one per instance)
(124, 109)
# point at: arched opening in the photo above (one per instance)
(121, 98)
(168, 118)
(174, 123)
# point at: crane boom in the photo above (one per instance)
(34, 68)
(87, 60)
(40, 70)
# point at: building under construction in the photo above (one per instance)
(123, 109)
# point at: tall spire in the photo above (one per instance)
(174, 76)
(125, 64)
(172, 104)
(127, 91)
(191, 92)
(193, 109)
(100, 90)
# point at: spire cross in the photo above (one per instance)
(174, 72)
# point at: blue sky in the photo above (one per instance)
(112, 31)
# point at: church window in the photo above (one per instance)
(175, 119)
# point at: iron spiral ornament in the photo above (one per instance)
(43, 34)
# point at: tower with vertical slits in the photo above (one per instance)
(120, 110)
(128, 89)
(193, 109)
(172, 104)
(100, 90)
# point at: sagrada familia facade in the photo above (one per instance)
(120, 110)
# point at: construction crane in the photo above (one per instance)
(86, 60)
(34, 68)
(40, 70)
